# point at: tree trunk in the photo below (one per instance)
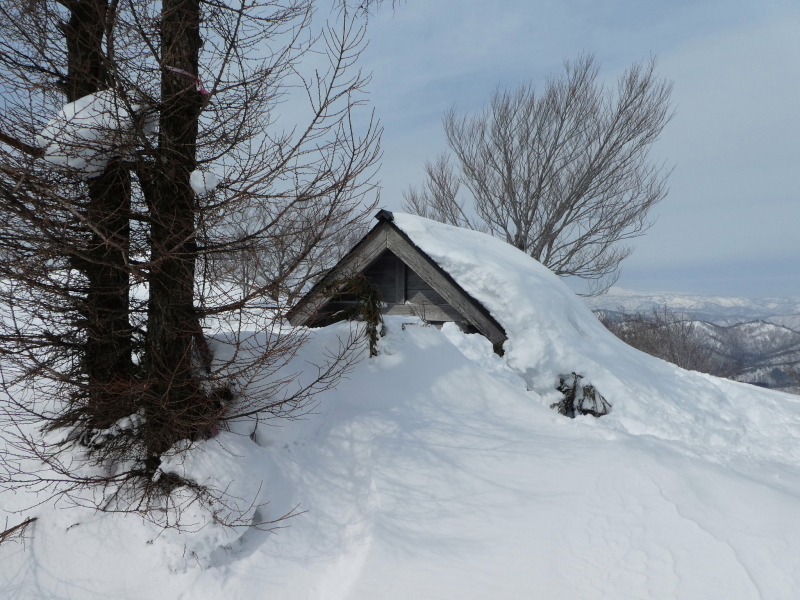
(107, 353)
(109, 344)
(86, 66)
(175, 398)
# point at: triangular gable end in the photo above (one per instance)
(410, 282)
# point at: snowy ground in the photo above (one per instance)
(438, 471)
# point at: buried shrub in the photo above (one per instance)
(580, 398)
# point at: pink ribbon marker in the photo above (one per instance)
(198, 84)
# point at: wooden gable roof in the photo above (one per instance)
(387, 236)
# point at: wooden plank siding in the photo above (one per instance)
(360, 257)
(409, 281)
(404, 292)
(382, 273)
(455, 296)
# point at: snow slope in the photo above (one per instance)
(436, 470)
(552, 332)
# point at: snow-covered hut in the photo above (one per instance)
(410, 283)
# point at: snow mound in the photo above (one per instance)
(202, 182)
(88, 133)
(238, 501)
(430, 473)
(437, 470)
(552, 332)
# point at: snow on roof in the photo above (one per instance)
(521, 294)
(552, 332)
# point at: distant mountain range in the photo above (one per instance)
(756, 352)
(755, 341)
(719, 310)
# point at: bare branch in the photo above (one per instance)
(564, 175)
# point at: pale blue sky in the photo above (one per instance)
(731, 223)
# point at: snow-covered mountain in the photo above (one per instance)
(438, 470)
(720, 310)
(755, 341)
(756, 352)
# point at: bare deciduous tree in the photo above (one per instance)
(564, 175)
(119, 255)
(668, 335)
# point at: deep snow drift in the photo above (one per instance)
(437, 470)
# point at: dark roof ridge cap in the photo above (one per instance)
(384, 215)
